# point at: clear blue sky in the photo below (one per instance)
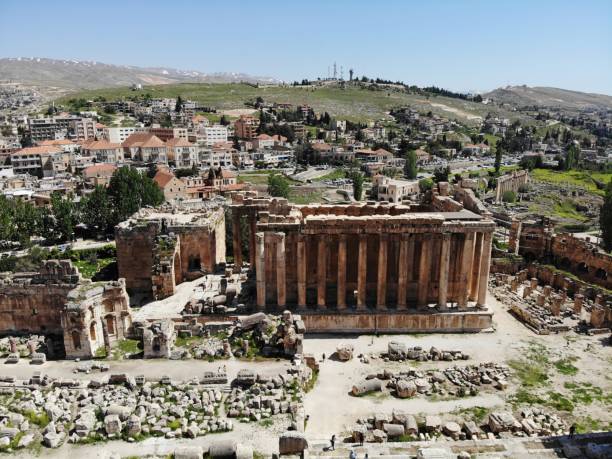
(460, 45)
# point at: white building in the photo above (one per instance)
(393, 190)
(214, 134)
(117, 134)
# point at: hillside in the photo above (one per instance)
(550, 98)
(349, 102)
(74, 74)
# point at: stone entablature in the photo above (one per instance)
(58, 303)
(200, 242)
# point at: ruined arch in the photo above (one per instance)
(92, 331)
(76, 339)
(109, 306)
(111, 327)
(529, 257)
(582, 268)
(565, 263)
(601, 274)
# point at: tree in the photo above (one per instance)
(498, 158)
(605, 218)
(97, 212)
(278, 186)
(358, 179)
(179, 104)
(410, 169)
(425, 184)
(65, 217)
(129, 190)
(509, 196)
(440, 174)
(572, 157)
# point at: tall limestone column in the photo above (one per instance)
(466, 265)
(444, 265)
(301, 271)
(321, 270)
(237, 240)
(381, 283)
(476, 267)
(281, 285)
(252, 236)
(485, 262)
(362, 271)
(341, 271)
(424, 268)
(402, 271)
(260, 270)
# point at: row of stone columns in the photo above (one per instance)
(473, 269)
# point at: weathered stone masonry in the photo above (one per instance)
(370, 266)
(56, 302)
(157, 250)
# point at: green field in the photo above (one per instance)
(584, 179)
(353, 102)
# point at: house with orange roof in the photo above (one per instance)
(145, 147)
(98, 174)
(174, 188)
(183, 153)
(65, 144)
(103, 151)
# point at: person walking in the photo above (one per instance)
(352, 455)
(333, 442)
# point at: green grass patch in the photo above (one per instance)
(303, 198)
(475, 413)
(268, 422)
(176, 424)
(565, 367)
(533, 370)
(589, 424)
(40, 419)
(584, 179)
(333, 175)
(566, 208)
(559, 402)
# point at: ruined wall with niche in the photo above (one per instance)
(58, 303)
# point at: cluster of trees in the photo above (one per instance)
(278, 186)
(454, 95)
(99, 211)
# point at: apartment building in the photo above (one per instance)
(59, 127)
(117, 134)
(246, 127)
(214, 134)
(165, 134)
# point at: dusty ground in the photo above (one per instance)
(332, 410)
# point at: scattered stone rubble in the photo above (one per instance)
(119, 408)
(544, 309)
(254, 398)
(455, 381)
(382, 427)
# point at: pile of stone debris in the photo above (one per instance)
(455, 381)
(121, 407)
(397, 351)
(400, 425)
(257, 397)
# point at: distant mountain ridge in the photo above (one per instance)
(549, 97)
(76, 74)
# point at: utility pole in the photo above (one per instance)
(335, 72)
(350, 74)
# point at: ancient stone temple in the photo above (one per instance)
(157, 249)
(371, 266)
(80, 315)
(512, 181)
